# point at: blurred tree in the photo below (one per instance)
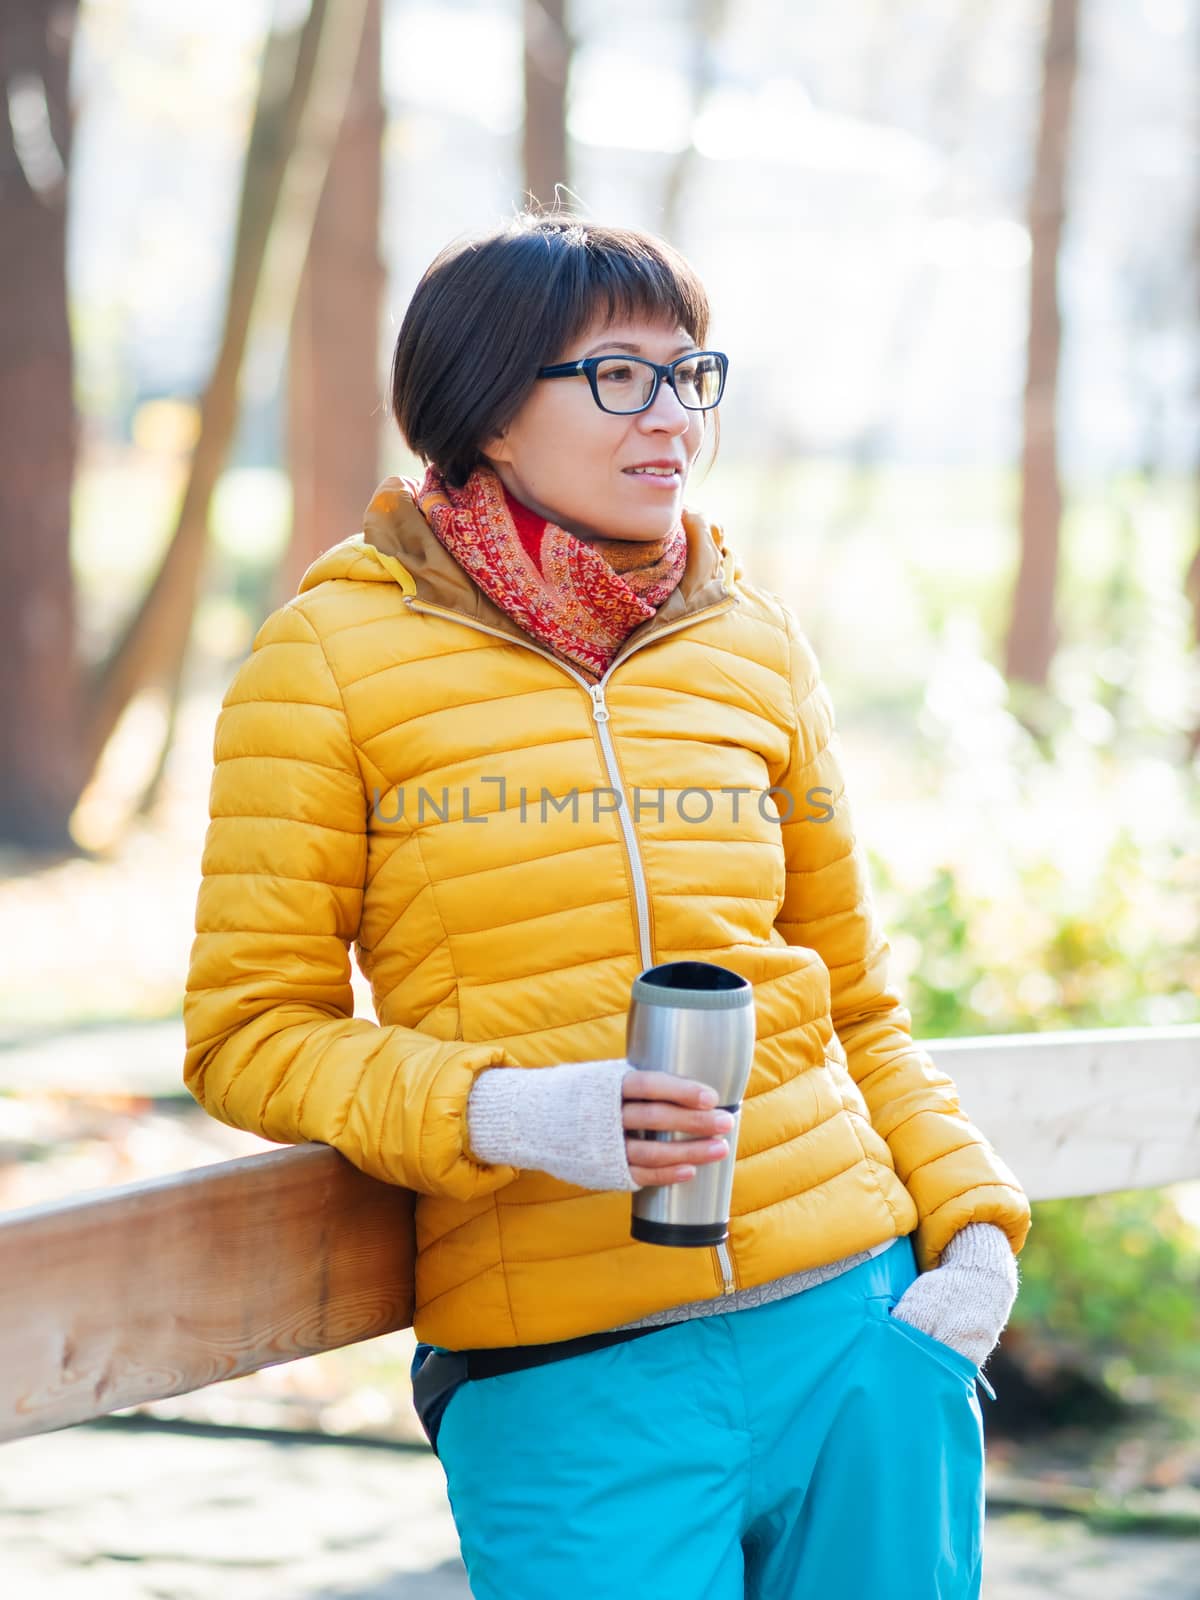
(39, 665)
(706, 24)
(1033, 633)
(962, 47)
(306, 73)
(1112, 1273)
(1191, 579)
(333, 383)
(548, 51)
(1191, 585)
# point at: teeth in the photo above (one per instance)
(655, 472)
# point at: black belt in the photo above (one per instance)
(443, 1372)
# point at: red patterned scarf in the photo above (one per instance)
(580, 597)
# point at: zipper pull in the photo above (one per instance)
(725, 1267)
(599, 709)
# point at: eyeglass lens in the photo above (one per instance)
(625, 383)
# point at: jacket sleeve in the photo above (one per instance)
(952, 1172)
(272, 1044)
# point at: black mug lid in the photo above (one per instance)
(693, 986)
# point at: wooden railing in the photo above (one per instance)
(132, 1294)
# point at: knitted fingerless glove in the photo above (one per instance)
(965, 1301)
(564, 1120)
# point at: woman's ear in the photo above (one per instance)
(495, 448)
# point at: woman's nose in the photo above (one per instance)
(665, 413)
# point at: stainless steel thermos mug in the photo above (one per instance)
(695, 1019)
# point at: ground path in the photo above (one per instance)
(103, 1513)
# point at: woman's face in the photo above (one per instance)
(577, 465)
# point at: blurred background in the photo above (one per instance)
(953, 252)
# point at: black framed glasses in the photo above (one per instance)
(626, 385)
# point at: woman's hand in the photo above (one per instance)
(966, 1300)
(661, 1100)
(579, 1121)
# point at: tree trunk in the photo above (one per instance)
(1033, 633)
(39, 768)
(1191, 588)
(1191, 578)
(706, 24)
(305, 82)
(547, 68)
(334, 396)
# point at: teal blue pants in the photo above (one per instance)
(814, 1448)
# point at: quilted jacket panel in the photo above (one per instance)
(398, 768)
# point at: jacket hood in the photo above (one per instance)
(397, 545)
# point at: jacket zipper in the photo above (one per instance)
(602, 716)
(641, 899)
(726, 1268)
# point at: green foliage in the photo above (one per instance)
(938, 991)
(1047, 953)
(1115, 1273)
(1116, 1277)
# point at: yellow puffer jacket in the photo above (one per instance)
(370, 757)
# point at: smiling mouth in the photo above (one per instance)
(668, 476)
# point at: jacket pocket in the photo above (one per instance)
(847, 1090)
(874, 1146)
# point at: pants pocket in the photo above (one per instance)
(962, 1366)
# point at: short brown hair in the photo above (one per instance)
(493, 308)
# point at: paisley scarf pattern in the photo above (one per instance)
(581, 598)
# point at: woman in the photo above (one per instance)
(527, 734)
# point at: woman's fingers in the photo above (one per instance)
(663, 1116)
(643, 1085)
(649, 1178)
(675, 1152)
(664, 1102)
(671, 1161)
(661, 1102)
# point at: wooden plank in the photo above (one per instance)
(1084, 1112)
(132, 1294)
